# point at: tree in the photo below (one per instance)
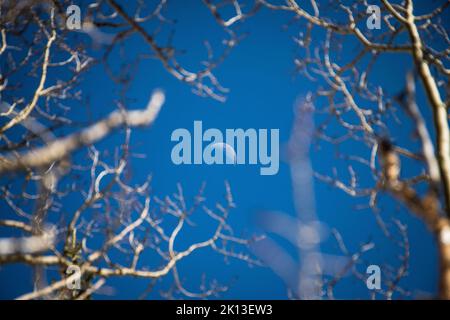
(355, 108)
(340, 47)
(48, 161)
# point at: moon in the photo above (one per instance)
(229, 151)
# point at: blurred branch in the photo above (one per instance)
(60, 148)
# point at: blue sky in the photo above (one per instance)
(260, 74)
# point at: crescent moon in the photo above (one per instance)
(229, 151)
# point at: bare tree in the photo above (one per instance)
(355, 108)
(73, 254)
(339, 52)
(351, 106)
